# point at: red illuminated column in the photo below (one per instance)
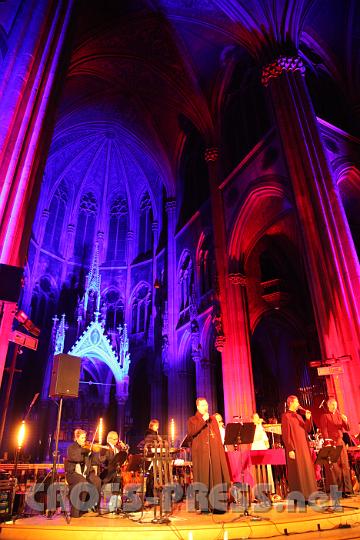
(28, 73)
(26, 91)
(234, 344)
(332, 264)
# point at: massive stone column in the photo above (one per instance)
(331, 261)
(271, 32)
(234, 344)
(28, 71)
(205, 384)
(204, 367)
(179, 378)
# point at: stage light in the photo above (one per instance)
(21, 435)
(27, 323)
(21, 317)
(156, 284)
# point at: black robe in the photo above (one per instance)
(332, 426)
(208, 455)
(301, 473)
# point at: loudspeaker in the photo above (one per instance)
(11, 281)
(65, 376)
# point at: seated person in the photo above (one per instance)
(79, 469)
(111, 458)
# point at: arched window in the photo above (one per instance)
(193, 185)
(118, 230)
(115, 309)
(206, 262)
(56, 217)
(85, 229)
(186, 280)
(145, 226)
(43, 302)
(140, 311)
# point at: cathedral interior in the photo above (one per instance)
(180, 184)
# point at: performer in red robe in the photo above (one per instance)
(300, 467)
(208, 455)
(332, 426)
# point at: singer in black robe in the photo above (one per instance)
(208, 455)
(301, 474)
(332, 426)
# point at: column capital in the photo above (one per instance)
(282, 64)
(170, 205)
(205, 363)
(45, 214)
(155, 225)
(121, 399)
(71, 228)
(238, 279)
(211, 154)
(220, 342)
(130, 235)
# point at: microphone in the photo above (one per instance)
(301, 409)
(322, 403)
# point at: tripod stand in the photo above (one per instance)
(50, 512)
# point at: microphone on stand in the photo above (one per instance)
(322, 403)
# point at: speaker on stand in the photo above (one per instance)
(64, 383)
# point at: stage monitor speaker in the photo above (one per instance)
(10, 282)
(65, 376)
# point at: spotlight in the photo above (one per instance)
(27, 323)
(156, 284)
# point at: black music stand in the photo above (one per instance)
(186, 442)
(237, 434)
(135, 463)
(328, 455)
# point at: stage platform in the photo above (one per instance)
(191, 526)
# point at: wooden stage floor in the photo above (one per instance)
(191, 526)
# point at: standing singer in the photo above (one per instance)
(208, 455)
(332, 426)
(301, 475)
